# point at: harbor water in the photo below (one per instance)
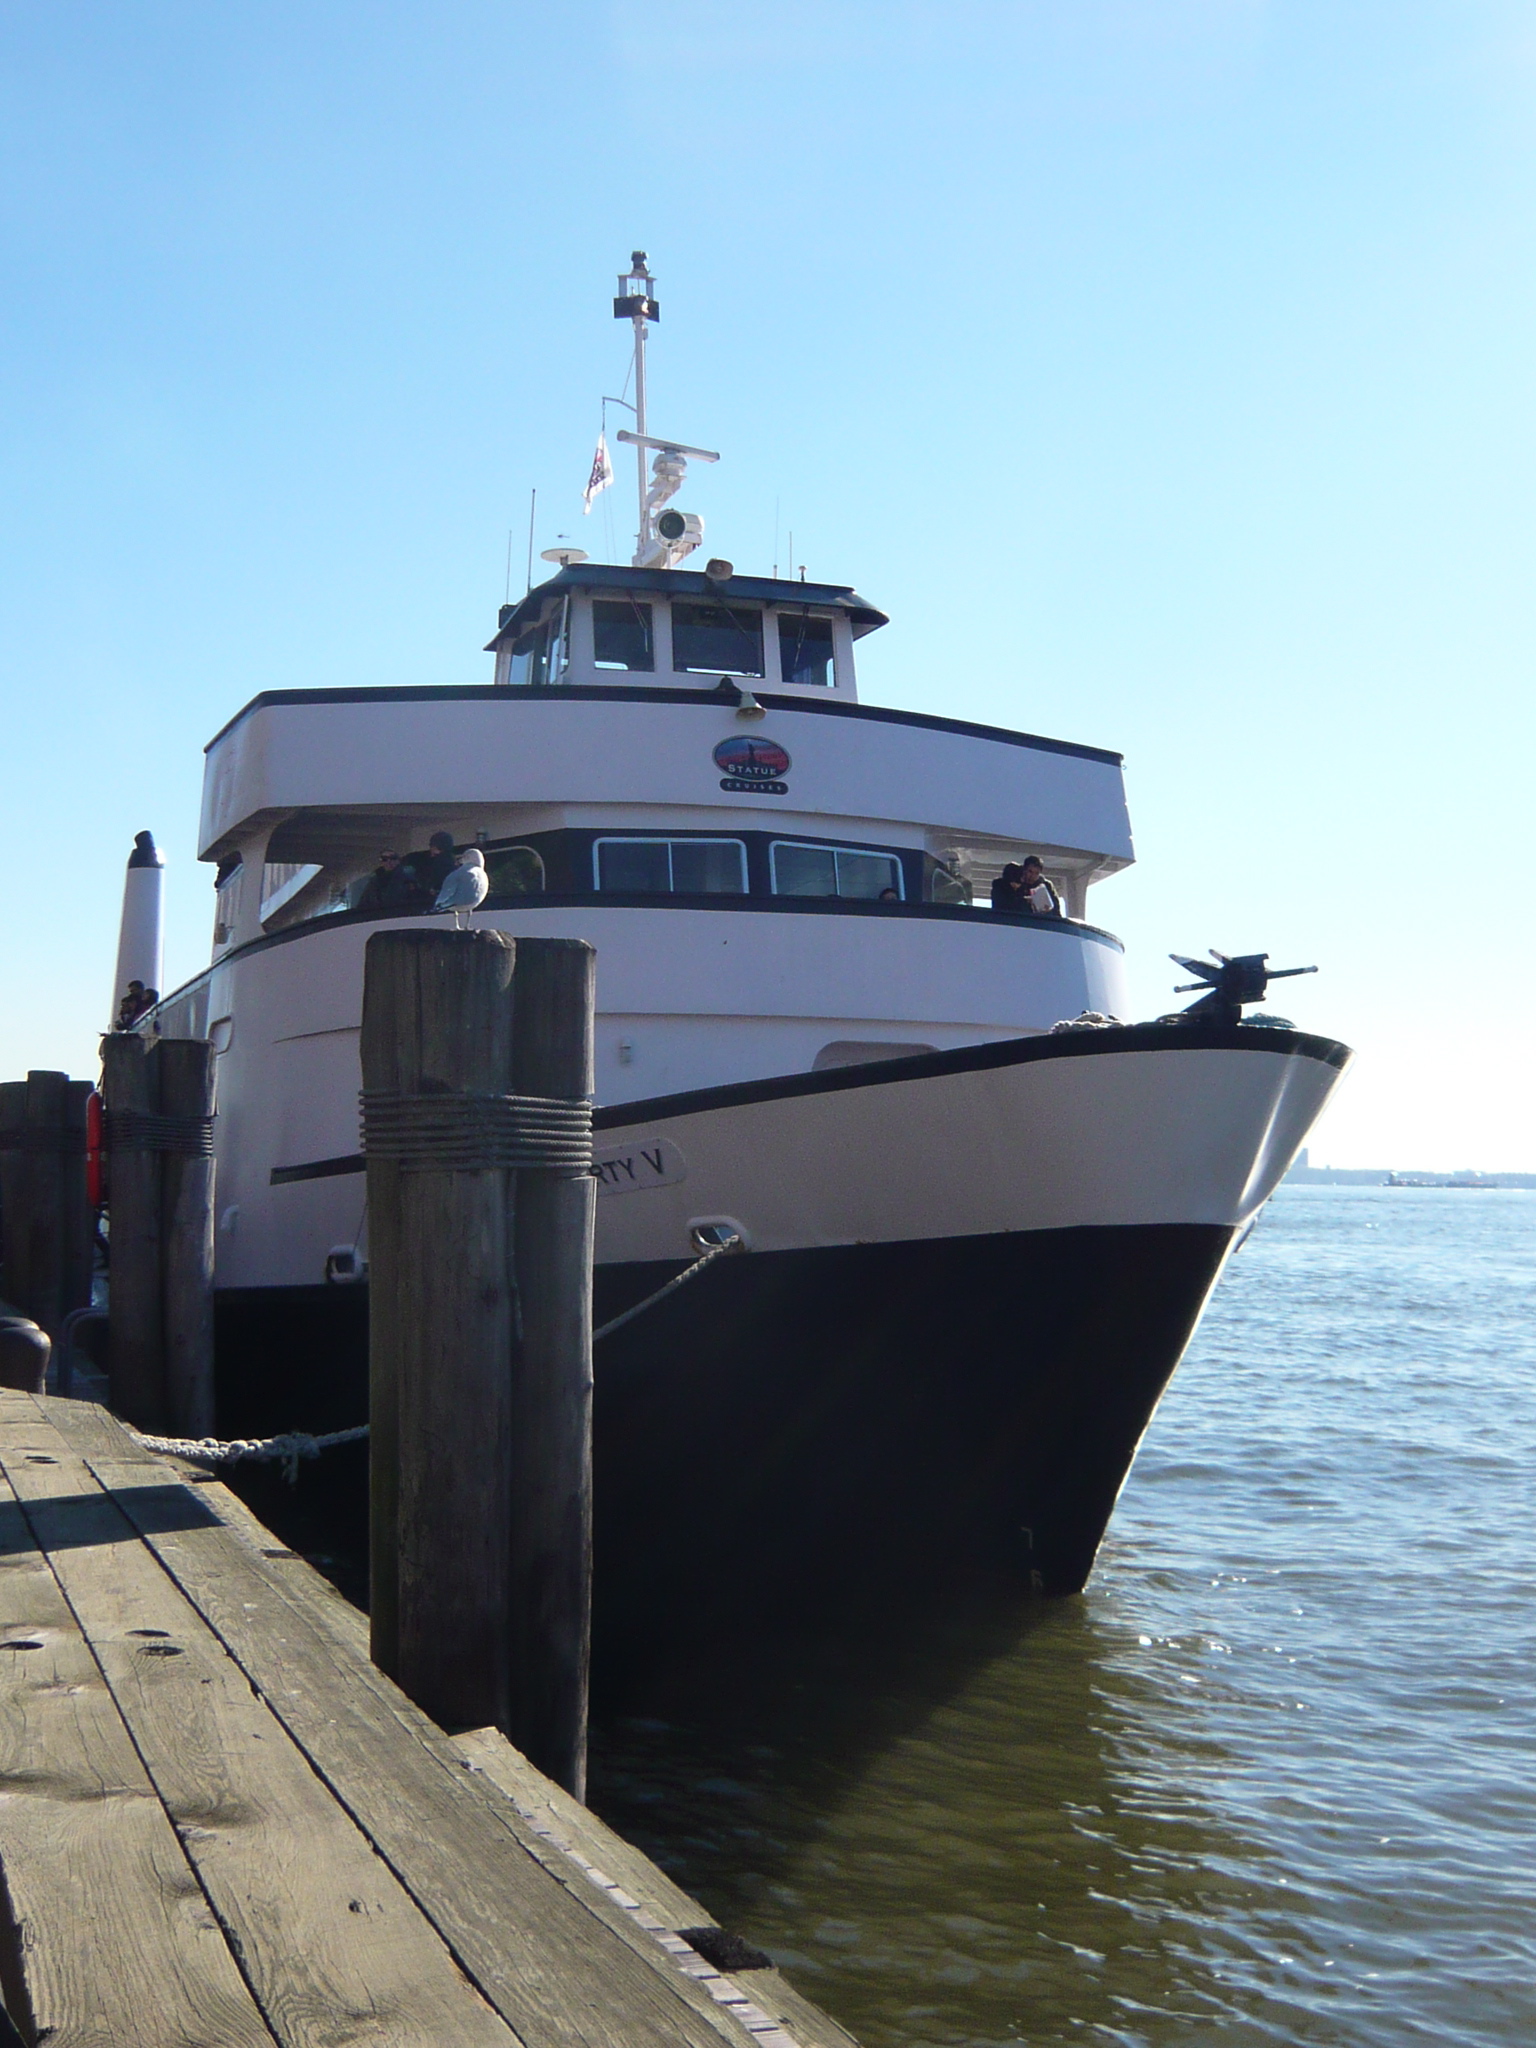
(1272, 1779)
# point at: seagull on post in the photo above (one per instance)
(466, 886)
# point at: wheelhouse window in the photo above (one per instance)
(805, 650)
(539, 652)
(529, 657)
(847, 871)
(671, 867)
(621, 635)
(227, 883)
(514, 871)
(717, 639)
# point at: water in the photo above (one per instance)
(1270, 1779)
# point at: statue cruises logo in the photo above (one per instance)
(749, 762)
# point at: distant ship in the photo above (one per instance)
(975, 1219)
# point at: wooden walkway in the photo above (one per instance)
(221, 1826)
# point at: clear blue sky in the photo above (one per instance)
(1164, 367)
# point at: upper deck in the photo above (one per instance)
(646, 700)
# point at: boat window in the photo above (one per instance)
(672, 867)
(621, 635)
(514, 871)
(805, 650)
(559, 649)
(539, 652)
(717, 638)
(833, 871)
(227, 885)
(528, 652)
(281, 881)
(804, 871)
(946, 884)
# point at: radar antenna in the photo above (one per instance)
(663, 538)
(1230, 984)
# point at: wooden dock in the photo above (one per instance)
(220, 1825)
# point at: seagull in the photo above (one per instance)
(466, 886)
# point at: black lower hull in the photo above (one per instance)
(793, 1430)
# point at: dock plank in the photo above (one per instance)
(274, 1851)
(115, 1944)
(574, 1826)
(574, 1831)
(598, 1853)
(93, 1432)
(577, 1971)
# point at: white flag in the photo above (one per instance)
(602, 474)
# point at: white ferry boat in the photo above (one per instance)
(973, 1246)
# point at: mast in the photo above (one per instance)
(636, 304)
(663, 537)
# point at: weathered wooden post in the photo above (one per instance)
(77, 1220)
(42, 1138)
(186, 1091)
(436, 1053)
(13, 1114)
(549, 1631)
(159, 1095)
(45, 1253)
(137, 1369)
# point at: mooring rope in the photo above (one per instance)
(286, 1449)
(295, 1444)
(716, 1251)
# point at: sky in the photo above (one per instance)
(1163, 367)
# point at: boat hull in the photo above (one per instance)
(968, 1280)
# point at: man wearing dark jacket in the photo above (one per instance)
(1039, 895)
(1023, 891)
(428, 871)
(390, 891)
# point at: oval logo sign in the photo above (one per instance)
(751, 759)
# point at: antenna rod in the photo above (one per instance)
(635, 304)
(640, 423)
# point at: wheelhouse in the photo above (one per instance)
(597, 623)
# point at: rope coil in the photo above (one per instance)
(478, 1133)
(145, 1130)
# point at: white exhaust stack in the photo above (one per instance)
(140, 938)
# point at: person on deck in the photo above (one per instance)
(428, 871)
(1008, 892)
(1040, 894)
(391, 890)
(1021, 890)
(136, 1000)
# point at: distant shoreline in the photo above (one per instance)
(1304, 1174)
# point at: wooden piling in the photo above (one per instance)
(45, 1251)
(186, 1091)
(77, 1219)
(549, 1623)
(437, 1021)
(13, 1116)
(137, 1369)
(43, 1225)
